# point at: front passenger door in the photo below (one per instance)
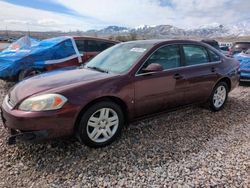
(157, 91)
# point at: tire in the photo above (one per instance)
(95, 129)
(28, 73)
(219, 96)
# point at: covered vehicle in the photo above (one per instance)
(244, 59)
(28, 56)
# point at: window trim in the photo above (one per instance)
(183, 63)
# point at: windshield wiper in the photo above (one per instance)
(98, 69)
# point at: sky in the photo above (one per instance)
(72, 15)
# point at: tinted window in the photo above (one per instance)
(98, 46)
(80, 45)
(168, 57)
(213, 56)
(195, 55)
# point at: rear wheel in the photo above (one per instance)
(101, 124)
(28, 73)
(219, 96)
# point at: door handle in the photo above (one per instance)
(177, 76)
(213, 69)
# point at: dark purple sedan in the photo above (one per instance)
(123, 83)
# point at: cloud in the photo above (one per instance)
(182, 13)
(16, 21)
(97, 14)
(119, 12)
(49, 22)
(21, 18)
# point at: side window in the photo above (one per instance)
(195, 55)
(213, 56)
(80, 45)
(168, 57)
(98, 46)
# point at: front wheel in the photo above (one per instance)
(219, 96)
(101, 124)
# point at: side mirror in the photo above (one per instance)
(153, 67)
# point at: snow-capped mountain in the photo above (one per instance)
(110, 30)
(219, 30)
(168, 31)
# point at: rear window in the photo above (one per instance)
(80, 45)
(97, 46)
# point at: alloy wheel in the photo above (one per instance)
(219, 97)
(102, 125)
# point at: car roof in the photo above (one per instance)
(164, 41)
(208, 40)
(94, 38)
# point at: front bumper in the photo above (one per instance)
(33, 126)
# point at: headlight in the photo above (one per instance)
(43, 103)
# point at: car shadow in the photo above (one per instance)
(245, 84)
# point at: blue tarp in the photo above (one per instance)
(28, 52)
(244, 60)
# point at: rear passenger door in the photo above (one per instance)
(200, 72)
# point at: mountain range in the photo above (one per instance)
(168, 31)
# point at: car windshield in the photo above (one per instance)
(119, 58)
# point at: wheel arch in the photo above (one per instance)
(227, 81)
(114, 99)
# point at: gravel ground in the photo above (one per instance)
(191, 147)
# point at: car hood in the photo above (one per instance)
(54, 80)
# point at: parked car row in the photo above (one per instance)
(239, 47)
(123, 83)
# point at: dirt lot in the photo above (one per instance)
(189, 147)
